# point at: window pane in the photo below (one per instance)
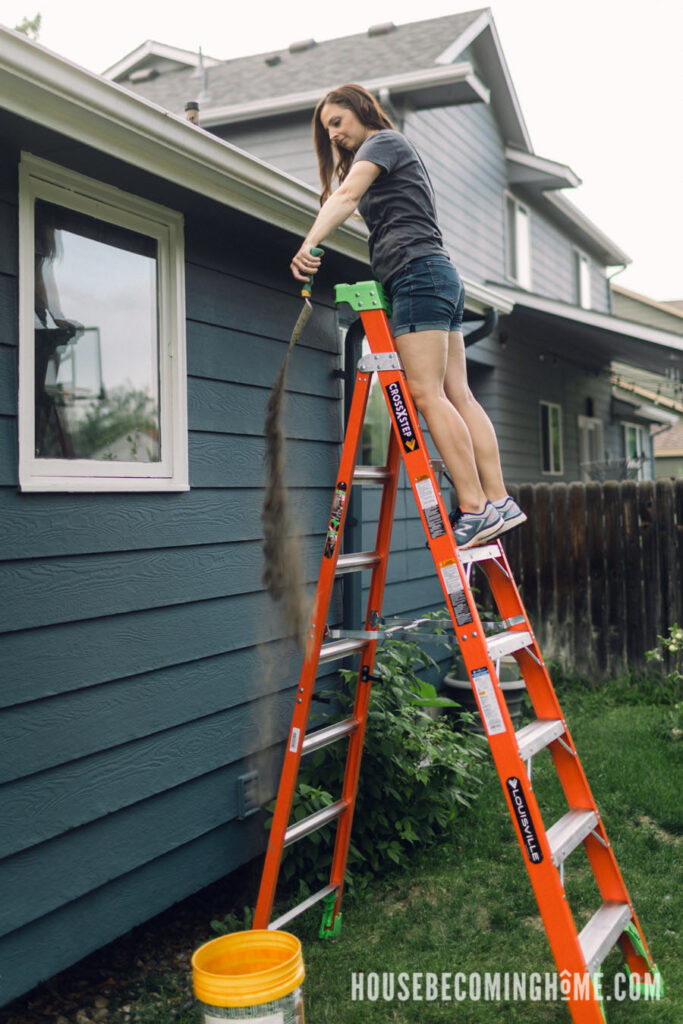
(96, 340)
(523, 247)
(556, 435)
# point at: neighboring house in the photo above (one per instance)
(544, 374)
(660, 395)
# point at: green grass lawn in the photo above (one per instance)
(467, 905)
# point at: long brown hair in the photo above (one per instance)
(337, 161)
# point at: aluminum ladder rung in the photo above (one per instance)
(301, 908)
(356, 560)
(570, 830)
(341, 649)
(602, 931)
(371, 475)
(537, 735)
(331, 733)
(314, 821)
(479, 554)
(506, 643)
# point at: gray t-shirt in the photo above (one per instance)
(399, 206)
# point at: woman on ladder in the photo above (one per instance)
(382, 174)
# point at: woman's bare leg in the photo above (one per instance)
(482, 434)
(425, 355)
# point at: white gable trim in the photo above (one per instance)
(150, 48)
(464, 39)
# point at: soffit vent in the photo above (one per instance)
(301, 45)
(382, 29)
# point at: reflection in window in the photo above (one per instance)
(96, 339)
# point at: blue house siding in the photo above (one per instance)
(144, 669)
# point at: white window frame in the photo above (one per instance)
(518, 242)
(643, 454)
(41, 179)
(584, 283)
(550, 406)
(588, 424)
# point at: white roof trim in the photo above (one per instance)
(603, 321)
(295, 101)
(645, 300)
(150, 48)
(543, 165)
(465, 39)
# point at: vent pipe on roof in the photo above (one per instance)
(192, 112)
(382, 29)
(301, 45)
(274, 60)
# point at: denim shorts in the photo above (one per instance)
(426, 295)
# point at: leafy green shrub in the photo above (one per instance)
(416, 774)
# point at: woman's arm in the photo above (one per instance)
(333, 213)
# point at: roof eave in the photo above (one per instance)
(422, 86)
(610, 252)
(538, 172)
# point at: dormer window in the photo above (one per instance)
(582, 279)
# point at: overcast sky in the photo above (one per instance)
(600, 84)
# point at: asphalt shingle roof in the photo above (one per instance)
(407, 48)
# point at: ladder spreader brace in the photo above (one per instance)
(544, 851)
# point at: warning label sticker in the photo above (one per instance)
(490, 709)
(454, 588)
(294, 740)
(400, 413)
(429, 504)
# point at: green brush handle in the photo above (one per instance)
(308, 287)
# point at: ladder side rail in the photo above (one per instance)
(543, 874)
(364, 681)
(306, 685)
(567, 764)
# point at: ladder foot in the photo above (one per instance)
(330, 926)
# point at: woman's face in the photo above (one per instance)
(343, 127)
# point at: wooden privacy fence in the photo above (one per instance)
(600, 568)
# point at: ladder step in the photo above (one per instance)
(479, 554)
(323, 737)
(341, 649)
(357, 560)
(506, 643)
(300, 908)
(566, 834)
(314, 821)
(537, 735)
(602, 932)
(371, 475)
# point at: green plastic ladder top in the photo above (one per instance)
(363, 296)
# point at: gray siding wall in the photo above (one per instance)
(285, 142)
(520, 372)
(144, 669)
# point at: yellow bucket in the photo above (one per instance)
(254, 976)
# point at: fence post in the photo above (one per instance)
(544, 535)
(615, 580)
(670, 583)
(563, 641)
(595, 544)
(577, 523)
(635, 617)
(648, 530)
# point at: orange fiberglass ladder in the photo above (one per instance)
(577, 954)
